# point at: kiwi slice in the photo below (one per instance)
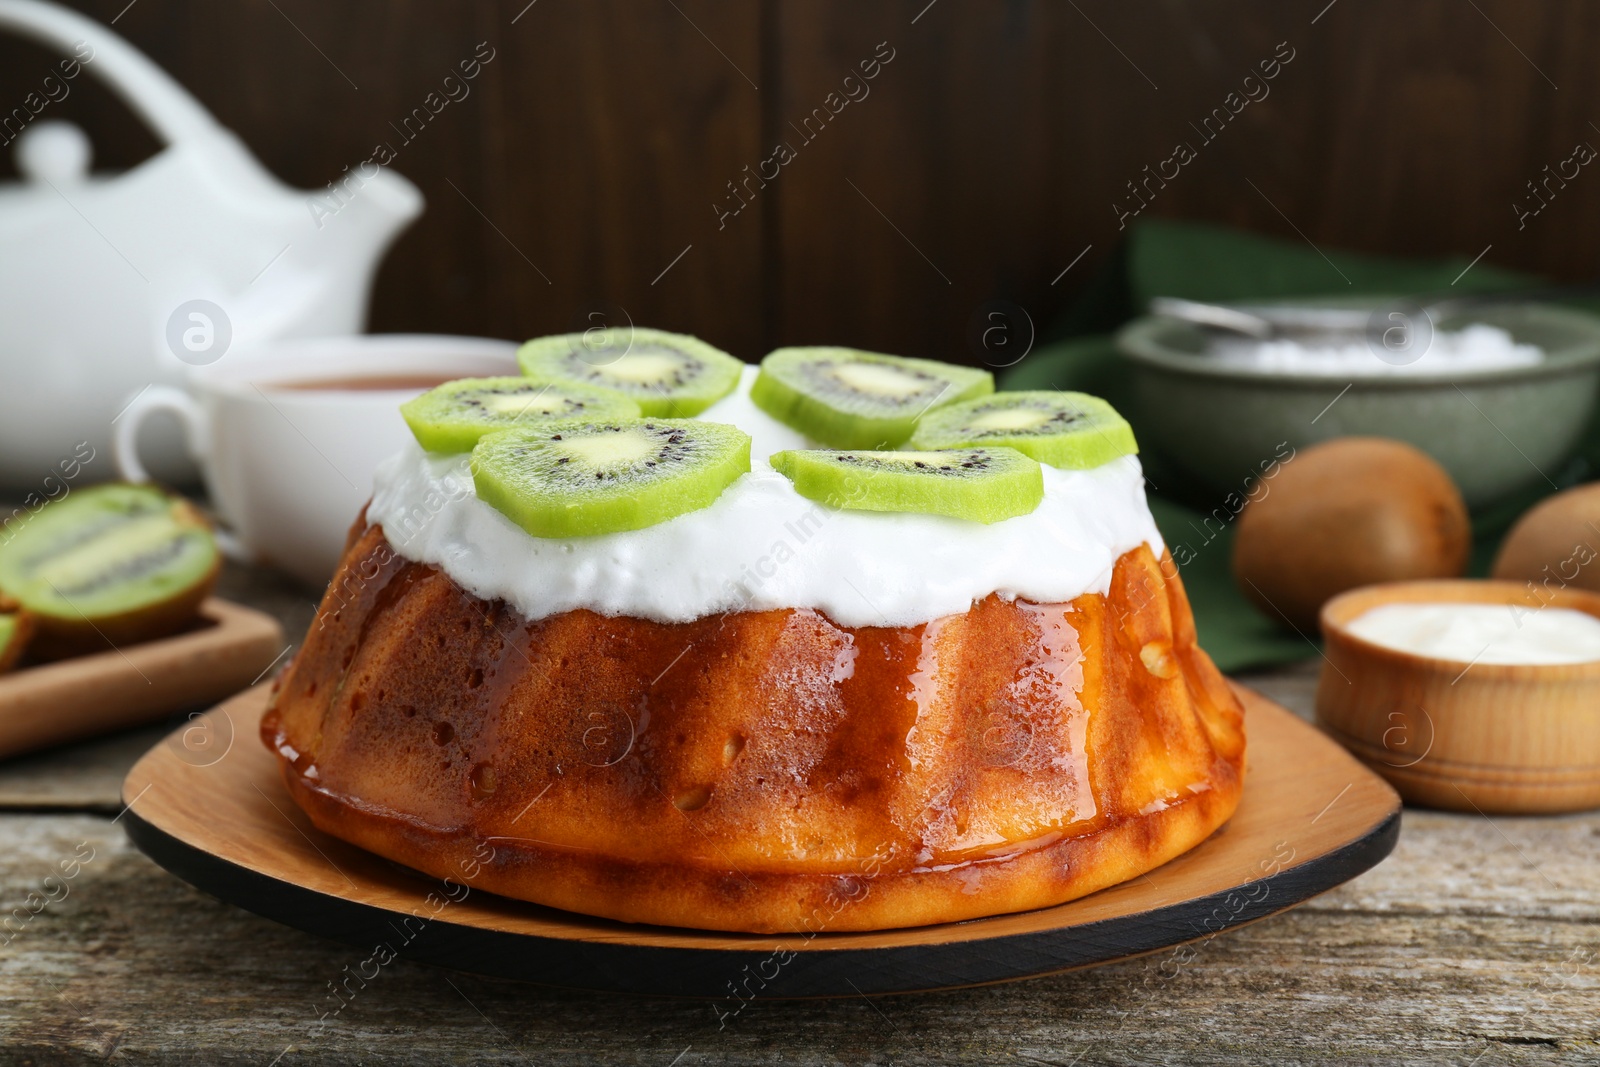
(982, 484)
(109, 565)
(595, 476)
(670, 375)
(1072, 430)
(845, 398)
(16, 628)
(453, 416)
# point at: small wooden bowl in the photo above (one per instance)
(1490, 737)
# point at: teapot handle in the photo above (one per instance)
(151, 92)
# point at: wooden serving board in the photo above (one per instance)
(111, 690)
(1311, 817)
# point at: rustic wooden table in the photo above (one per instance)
(1477, 942)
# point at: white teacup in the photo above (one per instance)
(288, 436)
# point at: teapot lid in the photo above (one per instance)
(53, 151)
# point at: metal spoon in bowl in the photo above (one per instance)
(1215, 316)
(1262, 323)
(1266, 323)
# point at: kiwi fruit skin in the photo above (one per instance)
(562, 358)
(61, 632)
(458, 431)
(16, 631)
(558, 512)
(1556, 543)
(1105, 435)
(785, 391)
(909, 482)
(1346, 513)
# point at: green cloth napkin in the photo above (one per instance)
(1211, 263)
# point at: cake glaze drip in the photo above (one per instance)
(756, 769)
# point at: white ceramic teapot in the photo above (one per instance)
(112, 283)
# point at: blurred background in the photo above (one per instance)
(1001, 184)
(990, 159)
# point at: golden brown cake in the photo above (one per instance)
(760, 770)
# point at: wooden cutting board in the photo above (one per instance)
(87, 695)
(1311, 817)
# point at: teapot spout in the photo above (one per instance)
(321, 284)
(380, 202)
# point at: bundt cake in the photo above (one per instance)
(765, 715)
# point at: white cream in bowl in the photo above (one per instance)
(1475, 348)
(1482, 633)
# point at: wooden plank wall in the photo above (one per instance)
(991, 148)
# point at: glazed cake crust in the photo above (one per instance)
(760, 771)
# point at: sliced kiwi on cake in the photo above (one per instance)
(981, 484)
(108, 565)
(16, 629)
(596, 476)
(845, 398)
(1072, 430)
(453, 416)
(669, 375)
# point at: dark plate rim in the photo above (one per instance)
(739, 975)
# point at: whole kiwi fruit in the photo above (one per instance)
(1556, 542)
(1349, 512)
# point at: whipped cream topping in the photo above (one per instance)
(761, 545)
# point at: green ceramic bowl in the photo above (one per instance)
(1495, 431)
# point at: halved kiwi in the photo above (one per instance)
(845, 398)
(16, 629)
(982, 484)
(580, 477)
(109, 565)
(1072, 430)
(670, 375)
(453, 416)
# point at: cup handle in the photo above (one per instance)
(125, 439)
(125, 445)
